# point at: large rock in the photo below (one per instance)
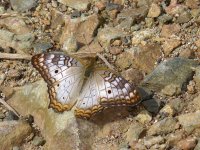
(62, 130)
(58, 129)
(13, 133)
(173, 73)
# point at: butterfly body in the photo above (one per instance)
(87, 90)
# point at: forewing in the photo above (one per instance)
(64, 76)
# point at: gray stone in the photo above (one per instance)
(197, 77)
(13, 133)
(184, 17)
(164, 126)
(177, 104)
(166, 74)
(136, 14)
(80, 5)
(23, 5)
(41, 47)
(37, 141)
(22, 42)
(164, 18)
(190, 121)
(151, 105)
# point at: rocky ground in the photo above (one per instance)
(153, 43)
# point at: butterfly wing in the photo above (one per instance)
(64, 77)
(104, 89)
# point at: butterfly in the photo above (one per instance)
(69, 86)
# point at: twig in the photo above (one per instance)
(105, 61)
(14, 56)
(9, 107)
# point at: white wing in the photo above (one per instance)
(64, 76)
(104, 89)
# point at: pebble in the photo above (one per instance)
(154, 10)
(37, 141)
(15, 148)
(164, 126)
(144, 117)
(2, 115)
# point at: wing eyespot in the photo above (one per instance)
(56, 71)
(109, 92)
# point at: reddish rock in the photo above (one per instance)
(169, 30)
(192, 3)
(83, 29)
(187, 144)
(115, 50)
(146, 56)
(187, 53)
(100, 5)
(170, 44)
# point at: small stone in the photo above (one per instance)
(115, 50)
(10, 116)
(164, 126)
(2, 115)
(23, 5)
(15, 148)
(149, 141)
(57, 19)
(133, 75)
(167, 110)
(187, 53)
(124, 60)
(75, 14)
(197, 77)
(187, 144)
(191, 87)
(177, 104)
(154, 10)
(38, 141)
(170, 44)
(2, 9)
(165, 18)
(192, 4)
(184, 17)
(54, 3)
(144, 117)
(70, 45)
(149, 22)
(112, 6)
(197, 43)
(116, 43)
(134, 132)
(80, 5)
(170, 29)
(174, 138)
(100, 5)
(190, 121)
(42, 47)
(171, 89)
